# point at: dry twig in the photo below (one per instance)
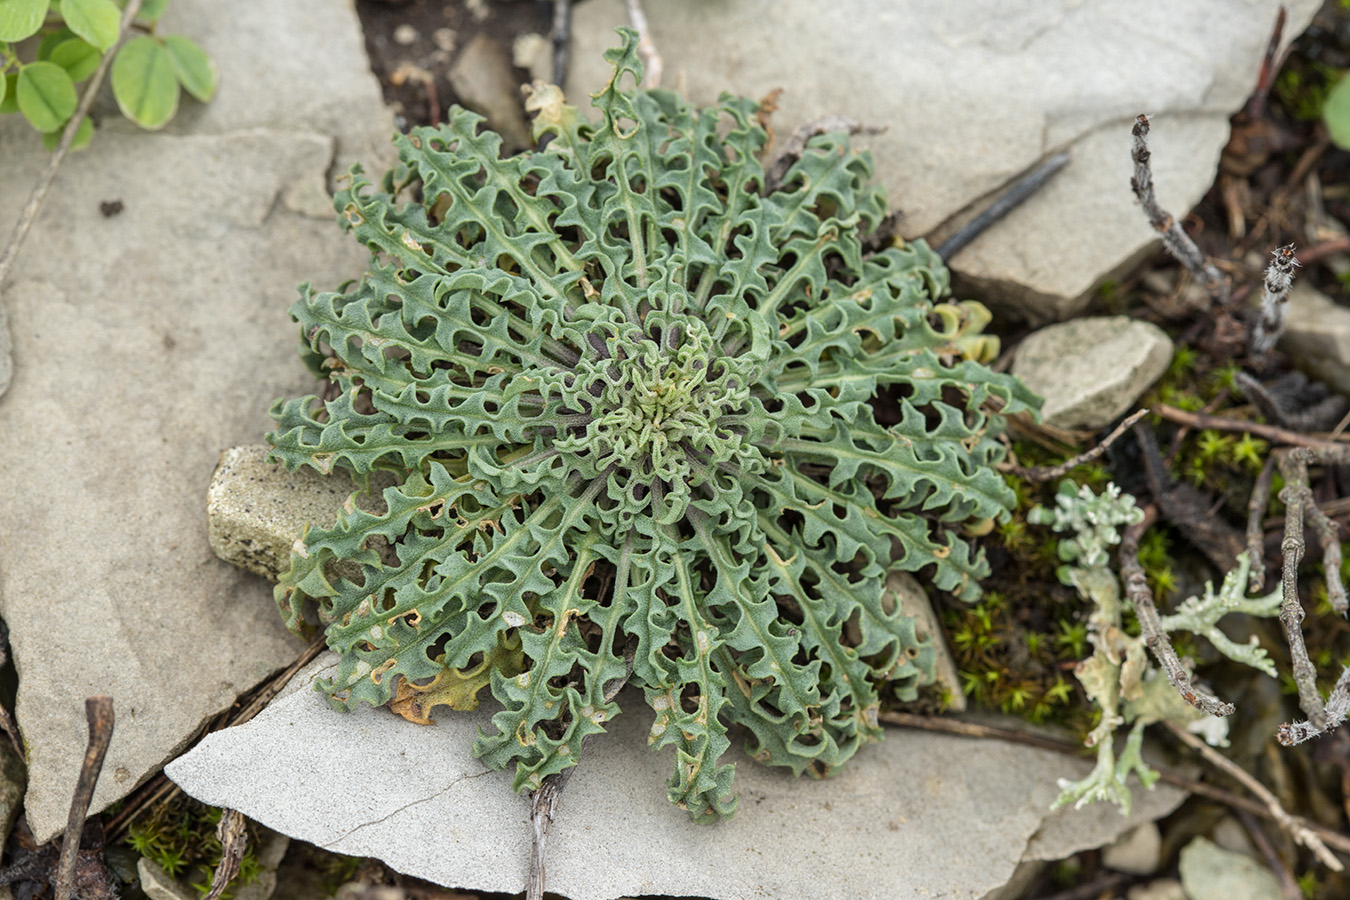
(1041, 474)
(1221, 423)
(1291, 826)
(1177, 242)
(233, 842)
(99, 713)
(1274, 300)
(1288, 884)
(562, 39)
(1256, 534)
(651, 60)
(1150, 625)
(39, 193)
(545, 800)
(1015, 196)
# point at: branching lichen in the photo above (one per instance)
(651, 420)
(1118, 676)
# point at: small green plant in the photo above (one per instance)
(179, 836)
(655, 416)
(65, 43)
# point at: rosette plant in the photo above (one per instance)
(650, 417)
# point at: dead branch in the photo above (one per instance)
(795, 145)
(1221, 423)
(651, 60)
(233, 842)
(1291, 826)
(39, 193)
(562, 39)
(1177, 242)
(1150, 626)
(99, 713)
(1274, 300)
(1020, 191)
(1041, 474)
(1337, 708)
(1256, 534)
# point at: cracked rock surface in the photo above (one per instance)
(144, 343)
(971, 94)
(919, 815)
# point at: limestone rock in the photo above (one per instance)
(483, 79)
(1317, 336)
(143, 344)
(1090, 371)
(1209, 872)
(916, 816)
(255, 509)
(974, 92)
(1162, 889)
(160, 885)
(914, 602)
(1137, 852)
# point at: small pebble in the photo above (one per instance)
(445, 39)
(405, 34)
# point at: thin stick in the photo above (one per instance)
(44, 182)
(1150, 626)
(1296, 496)
(1286, 822)
(1256, 534)
(545, 800)
(1337, 709)
(960, 728)
(562, 39)
(1177, 242)
(1015, 196)
(99, 712)
(1327, 532)
(1274, 300)
(1221, 423)
(651, 60)
(1288, 885)
(1050, 473)
(1256, 106)
(1104, 886)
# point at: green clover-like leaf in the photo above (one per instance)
(20, 19)
(97, 21)
(144, 83)
(645, 413)
(193, 68)
(78, 57)
(46, 95)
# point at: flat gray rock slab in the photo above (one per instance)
(919, 815)
(973, 93)
(1091, 371)
(143, 344)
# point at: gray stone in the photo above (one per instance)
(1091, 371)
(143, 344)
(159, 884)
(1137, 852)
(914, 602)
(1209, 872)
(918, 815)
(255, 509)
(1162, 889)
(483, 80)
(972, 94)
(1317, 336)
